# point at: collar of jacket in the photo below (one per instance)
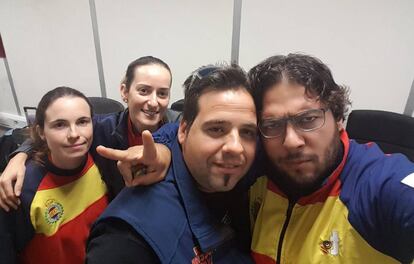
(121, 129)
(207, 230)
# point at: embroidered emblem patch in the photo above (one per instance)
(201, 258)
(331, 246)
(54, 211)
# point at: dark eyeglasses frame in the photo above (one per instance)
(292, 120)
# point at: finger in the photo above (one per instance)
(12, 202)
(8, 189)
(110, 153)
(2, 199)
(4, 206)
(2, 195)
(126, 172)
(10, 199)
(6, 201)
(147, 179)
(149, 152)
(19, 182)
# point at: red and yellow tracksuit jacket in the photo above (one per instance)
(364, 213)
(58, 209)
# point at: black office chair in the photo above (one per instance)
(178, 105)
(30, 114)
(102, 105)
(394, 133)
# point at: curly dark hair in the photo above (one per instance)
(303, 70)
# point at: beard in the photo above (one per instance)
(294, 183)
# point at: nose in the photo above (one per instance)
(152, 100)
(292, 139)
(73, 132)
(233, 144)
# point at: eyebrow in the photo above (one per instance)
(58, 120)
(65, 120)
(164, 88)
(288, 115)
(225, 122)
(216, 122)
(142, 85)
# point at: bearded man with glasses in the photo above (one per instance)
(323, 197)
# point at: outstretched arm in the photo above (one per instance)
(140, 165)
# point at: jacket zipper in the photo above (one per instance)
(283, 232)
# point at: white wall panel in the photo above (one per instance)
(48, 43)
(367, 44)
(6, 97)
(185, 34)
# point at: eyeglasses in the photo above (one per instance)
(304, 121)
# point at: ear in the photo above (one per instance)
(124, 92)
(340, 125)
(40, 132)
(182, 132)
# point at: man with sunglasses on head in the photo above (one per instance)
(187, 217)
(324, 198)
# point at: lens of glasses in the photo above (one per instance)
(309, 120)
(304, 121)
(272, 128)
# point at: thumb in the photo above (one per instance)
(149, 152)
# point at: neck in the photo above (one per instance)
(138, 128)
(69, 164)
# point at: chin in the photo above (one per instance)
(225, 187)
(307, 181)
(76, 154)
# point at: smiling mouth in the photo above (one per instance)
(228, 168)
(150, 113)
(76, 145)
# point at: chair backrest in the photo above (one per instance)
(102, 105)
(178, 105)
(394, 133)
(30, 113)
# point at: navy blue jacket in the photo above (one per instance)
(174, 220)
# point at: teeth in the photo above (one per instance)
(150, 112)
